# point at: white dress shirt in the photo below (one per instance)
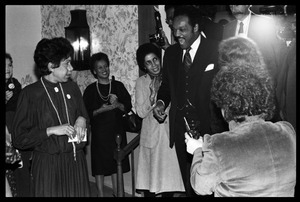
(246, 23)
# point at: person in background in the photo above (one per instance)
(255, 158)
(13, 157)
(158, 170)
(211, 29)
(12, 163)
(286, 82)
(169, 10)
(261, 29)
(106, 101)
(51, 119)
(12, 90)
(186, 85)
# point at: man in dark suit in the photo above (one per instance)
(260, 29)
(286, 80)
(186, 86)
(212, 30)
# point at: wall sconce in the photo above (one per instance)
(78, 33)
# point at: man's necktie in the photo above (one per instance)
(187, 60)
(241, 30)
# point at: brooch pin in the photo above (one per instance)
(11, 86)
(56, 89)
(68, 96)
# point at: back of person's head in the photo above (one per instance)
(8, 56)
(190, 11)
(244, 89)
(144, 50)
(51, 50)
(240, 51)
(95, 58)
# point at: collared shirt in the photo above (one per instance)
(194, 48)
(246, 23)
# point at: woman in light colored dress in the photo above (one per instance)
(158, 169)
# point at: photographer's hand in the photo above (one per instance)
(192, 144)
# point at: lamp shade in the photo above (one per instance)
(78, 33)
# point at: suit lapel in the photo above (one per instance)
(201, 56)
(229, 29)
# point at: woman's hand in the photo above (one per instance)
(103, 108)
(64, 129)
(80, 128)
(192, 144)
(113, 98)
(8, 95)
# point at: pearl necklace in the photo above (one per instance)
(66, 107)
(104, 98)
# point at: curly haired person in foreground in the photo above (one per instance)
(255, 158)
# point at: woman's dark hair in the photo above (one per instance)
(8, 56)
(144, 50)
(244, 87)
(51, 50)
(97, 57)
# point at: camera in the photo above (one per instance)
(157, 37)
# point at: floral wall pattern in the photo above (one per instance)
(113, 30)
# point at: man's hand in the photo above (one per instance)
(159, 111)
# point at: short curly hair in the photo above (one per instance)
(51, 50)
(243, 88)
(240, 51)
(144, 50)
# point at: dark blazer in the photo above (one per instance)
(212, 30)
(200, 82)
(286, 86)
(262, 31)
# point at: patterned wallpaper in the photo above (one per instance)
(113, 30)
